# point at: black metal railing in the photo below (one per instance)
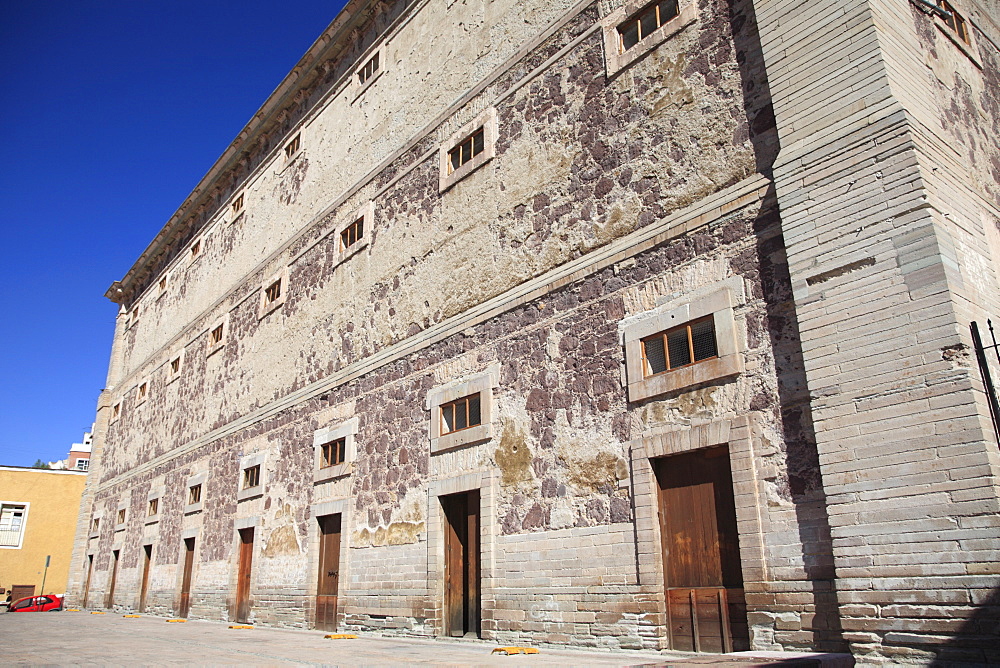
(983, 357)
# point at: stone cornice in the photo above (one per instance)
(251, 144)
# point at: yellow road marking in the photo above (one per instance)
(515, 650)
(340, 636)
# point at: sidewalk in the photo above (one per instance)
(80, 638)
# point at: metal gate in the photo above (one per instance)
(988, 356)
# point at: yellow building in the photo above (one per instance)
(38, 514)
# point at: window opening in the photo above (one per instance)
(369, 70)
(272, 292)
(163, 284)
(153, 508)
(688, 344)
(334, 452)
(11, 524)
(82, 464)
(468, 149)
(143, 391)
(216, 336)
(644, 22)
(352, 233)
(121, 516)
(238, 204)
(461, 414)
(955, 21)
(175, 366)
(195, 248)
(95, 524)
(251, 476)
(194, 494)
(293, 146)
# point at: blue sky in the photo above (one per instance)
(110, 114)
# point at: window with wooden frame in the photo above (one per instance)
(133, 318)
(251, 476)
(121, 516)
(215, 337)
(461, 414)
(153, 507)
(672, 349)
(95, 525)
(175, 366)
(292, 147)
(143, 390)
(195, 248)
(369, 69)
(194, 494)
(333, 452)
(272, 292)
(237, 205)
(469, 148)
(955, 21)
(645, 22)
(163, 284)
(116, 411)
(352, 234)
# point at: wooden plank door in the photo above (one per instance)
(706, 609)
(243, 576)
(185, 604)
(21, 591)
(147, 558)
(328, 585)
(86, 583)
(463, 607)
(110, 600)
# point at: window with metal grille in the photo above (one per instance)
(153, 507)
(251, 476)
(292, 147)
(469, 148)
(216, 335)
(955, 21)
(680, 346)
(237, 204)
(334, 452)
(175, 366)
(11, 524)
(121, 516)
(194, 494)
(461, 414)
(352, 233)
(369, 70)
(272, 292)
(644, 22)
(143, 391)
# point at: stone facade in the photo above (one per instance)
(616, 195)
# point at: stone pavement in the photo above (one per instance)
(80, 638)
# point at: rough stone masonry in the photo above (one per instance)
(608, 324)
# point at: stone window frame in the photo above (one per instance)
(157, 495)
(265, 307)
(487, 120)
(366, 213)
(718, 303)
(216, 347)
(970, 48)
(116, 411)
(358, 86)
(249, 461)
(22, 528)
(482, 383)
(347, 430)
(292, 148)
(235, 213)
(95, 531)
(121, 520)
(171, 374)
(197, 507)
(141, 398)
(615, 60)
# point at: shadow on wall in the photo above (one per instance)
(977, 642)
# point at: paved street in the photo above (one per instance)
(80, 638)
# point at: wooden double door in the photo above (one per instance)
(706, 608)
(462, 596)
(242, 605)
(328, 585)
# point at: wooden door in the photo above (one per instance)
(185, 604)
(462, 606)
(706, 609)
(110, 600)
(328, 585)
(21, 591)
(243, 576)
(86, 582)
(147, 557)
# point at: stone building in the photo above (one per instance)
(601, 323)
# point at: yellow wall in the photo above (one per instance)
(54, 503)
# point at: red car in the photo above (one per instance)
(43, 603)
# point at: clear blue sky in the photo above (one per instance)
(110, 113)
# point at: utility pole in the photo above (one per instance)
(48, 559)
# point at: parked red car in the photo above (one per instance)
(43, 603)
